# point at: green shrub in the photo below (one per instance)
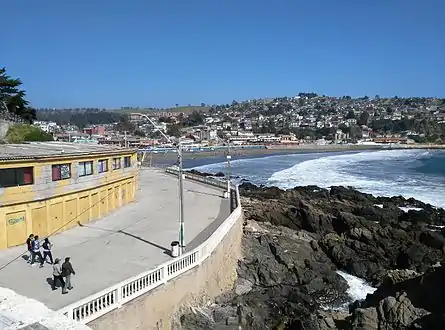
(20, 133)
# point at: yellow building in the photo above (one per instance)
(49, 187)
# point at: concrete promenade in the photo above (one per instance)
(129, 241)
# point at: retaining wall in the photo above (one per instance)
(160, 308)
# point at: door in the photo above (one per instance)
(94, 206)
(110, 197)
(84, 209)
(56, 218)
(129, 192)
(39, 221)
(71, 214)
(16, 228)
(103, 202)
(117, 197)
(123, 194)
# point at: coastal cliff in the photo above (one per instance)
(295, 242)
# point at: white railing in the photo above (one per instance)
(96, 305)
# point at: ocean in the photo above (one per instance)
(408, 173)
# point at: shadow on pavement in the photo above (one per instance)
(164, 249)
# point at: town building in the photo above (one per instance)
(49, 187)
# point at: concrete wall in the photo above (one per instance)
(160, 308)
(47, 207)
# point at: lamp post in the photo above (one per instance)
(181, 199)
(181, 185)
(229, 157)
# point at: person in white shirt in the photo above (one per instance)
(36, 251)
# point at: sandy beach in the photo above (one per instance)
(168, 159)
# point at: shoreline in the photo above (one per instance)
(156, 159)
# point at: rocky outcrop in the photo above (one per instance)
(205, 174)
(411, 303)
(284, 278)
(363, 235)
(296, 240)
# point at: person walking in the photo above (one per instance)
(57, 276)
(36, 251)
(67, 270)
(29, 247)
(47, 246)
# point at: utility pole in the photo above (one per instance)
(181, 186)
(181, 199)
(229, 157)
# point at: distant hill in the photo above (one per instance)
(185, 109)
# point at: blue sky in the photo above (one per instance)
(114, 53)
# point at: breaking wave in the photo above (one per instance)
(382, 173)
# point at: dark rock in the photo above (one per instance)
(205, 174)
(369, 239)
(295, 240)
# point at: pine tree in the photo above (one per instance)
(13, 98)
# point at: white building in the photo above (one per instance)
(46, 126)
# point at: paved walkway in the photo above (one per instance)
(131, 240)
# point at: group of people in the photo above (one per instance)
(61, 271)
(33, 244)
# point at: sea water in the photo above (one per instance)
(409, 173)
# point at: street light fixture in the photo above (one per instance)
(181, 184)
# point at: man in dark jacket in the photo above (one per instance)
(67, 270)
(29, 246)
(57, 276)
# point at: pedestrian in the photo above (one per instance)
(57, 276)
(47, 246)
(29, 247)
(67, 271)
(36, 251)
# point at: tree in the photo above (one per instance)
(139, 132)
(125, 124)
(195, 119)
(350, 115)
(13, 97)
(343, 128)
(174, 130)
(364, 118)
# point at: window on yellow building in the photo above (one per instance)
(61, 172)
(116, 163)
(127, 161)
(102, 165)
(85, 168)
(12, 177)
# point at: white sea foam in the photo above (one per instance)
(409, 208)
(338, 170)
(358, 288)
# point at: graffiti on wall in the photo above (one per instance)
(15, 218)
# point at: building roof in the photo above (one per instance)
(38, 150)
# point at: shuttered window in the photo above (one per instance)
(12, 177)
